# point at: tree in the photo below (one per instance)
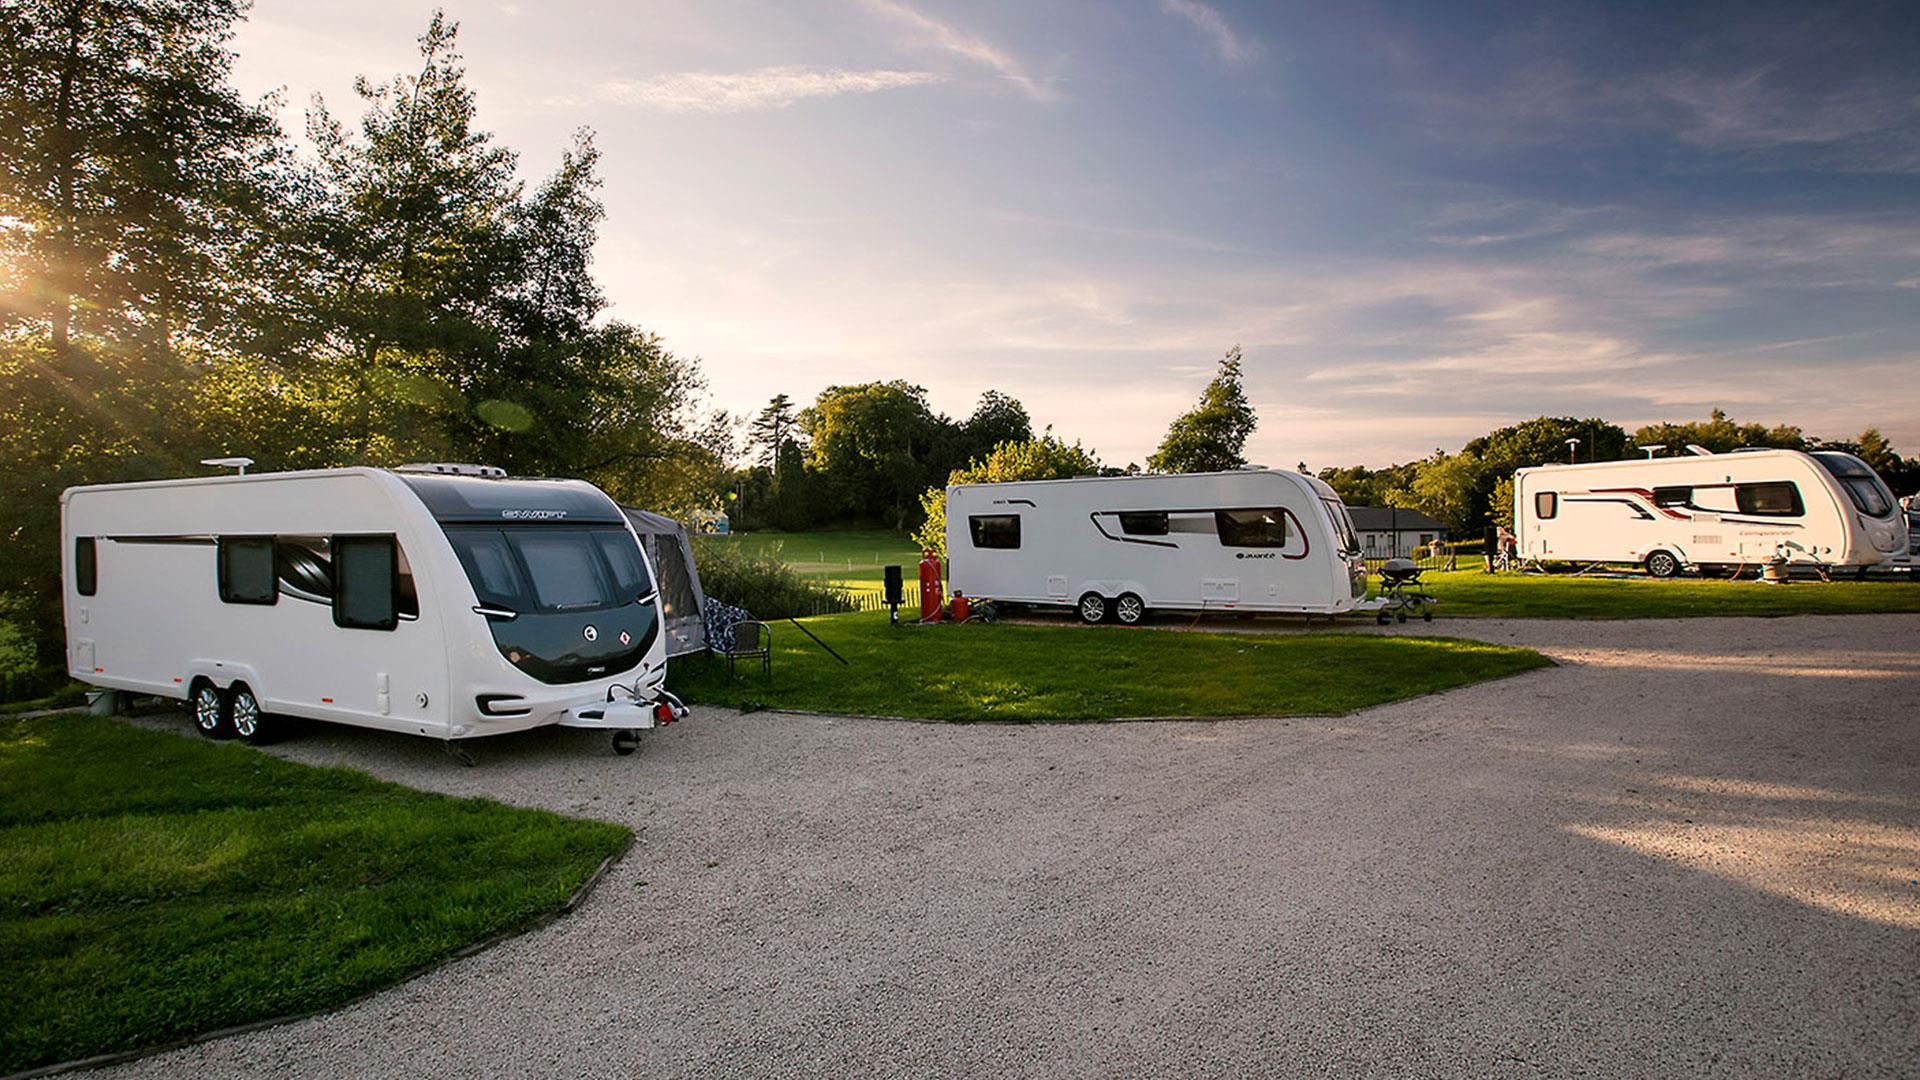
(1452, 488)
(131, 175)
(771, 430)
(998, 418)
(1045, 458)
(1213, 435)
(872, 442)
(1720, 435)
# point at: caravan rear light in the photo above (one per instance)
(662, 713)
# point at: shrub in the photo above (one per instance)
(761, 582)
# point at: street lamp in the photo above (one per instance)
(1651, 447)
(1573, 449)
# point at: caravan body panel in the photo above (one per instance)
(1251, 540)
(1742, 507)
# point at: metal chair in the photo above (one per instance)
(747, 639)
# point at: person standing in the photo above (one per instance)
(1491, 545)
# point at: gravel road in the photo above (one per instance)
(1692, 848)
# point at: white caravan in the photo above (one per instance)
(1120, 546)
(1707, 510)
(445, 601)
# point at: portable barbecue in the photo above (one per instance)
(1402, 592)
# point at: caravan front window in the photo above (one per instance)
(1342, 526)
(544, 569)
(1863, 485)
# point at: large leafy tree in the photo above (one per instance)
(1044, 458)
(874, 443)
(1212, 436)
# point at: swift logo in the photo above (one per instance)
(533, 515)
(591, 633)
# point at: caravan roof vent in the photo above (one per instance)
(453, 468)
(1253, 468)
(1697, 449)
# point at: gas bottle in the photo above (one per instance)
(930, 590)
(958, 609)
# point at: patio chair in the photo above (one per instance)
(745, 640)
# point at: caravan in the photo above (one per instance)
(446, 601)
(1748, 507)
(1117, 547)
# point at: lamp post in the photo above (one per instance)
(1573, 451)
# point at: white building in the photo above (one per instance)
(1388, 532)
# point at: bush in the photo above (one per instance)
(761, 582)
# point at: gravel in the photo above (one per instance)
(1692, 848)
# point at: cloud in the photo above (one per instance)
(768, 88)
(1230, 46)
(932, 33)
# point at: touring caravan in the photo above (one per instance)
(1709, 510)
(447, 601)
(1117, 547)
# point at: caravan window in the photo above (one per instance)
(623, 555)
(539, 568)
(1144, 523)
(1546, 504)
(1672, 496)
(366, 575)
(86, 568)
(995, 530)
(1251, 528)
(246, 570)
(1778, 499)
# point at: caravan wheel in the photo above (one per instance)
(249, 721)
(1129, 609)
(210, 712)
(1093, 608)
(1662, 564)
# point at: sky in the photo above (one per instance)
(1419, 221)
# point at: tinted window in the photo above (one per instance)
(1672, 496)
(1342, 525)
(365, 573)
(1251, 528)
(1863, 485)
(246, 570)
(1780, 499)
(1144, 523)
(564, 571)
(1546, 504)
(995, 530)
(86, 568)
(491, 566)
(623, 558)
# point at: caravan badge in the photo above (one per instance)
(591, 633)
(533, 515)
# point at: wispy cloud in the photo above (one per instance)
(767, 88)
(1229, 45)
(932, 33)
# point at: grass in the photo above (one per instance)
(72, 693)
(842, 556)
(1024, 673)
(1471, 593)
(155, 886)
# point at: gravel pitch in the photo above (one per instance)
(1693, 848)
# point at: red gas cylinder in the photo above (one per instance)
(958, 609)
(930, 591)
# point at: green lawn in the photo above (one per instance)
(154, 886)
(1475, 594)
(850, 556)
(1028, 673)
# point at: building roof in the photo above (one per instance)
(1387, 518)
